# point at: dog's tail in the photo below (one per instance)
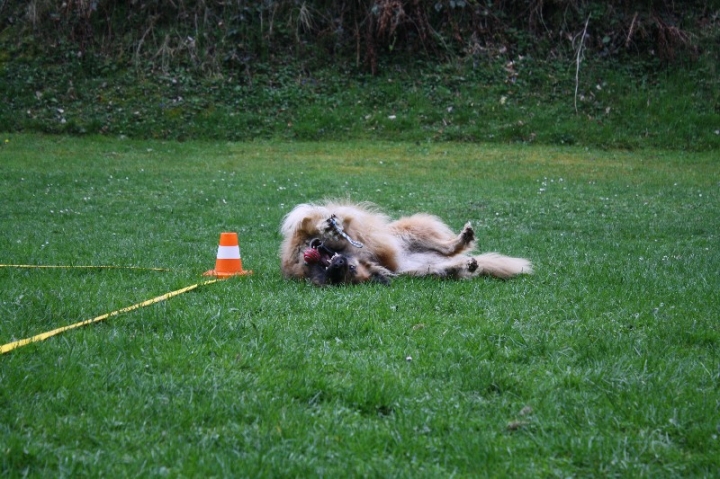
(500, 266)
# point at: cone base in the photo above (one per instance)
(222, 274)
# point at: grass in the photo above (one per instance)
(604, 363)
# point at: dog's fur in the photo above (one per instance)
(418, 245)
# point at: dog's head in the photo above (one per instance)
(327, 267)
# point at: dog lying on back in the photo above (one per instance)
(350, 243)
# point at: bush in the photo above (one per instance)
(214, 35)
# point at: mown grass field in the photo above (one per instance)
(603, 363)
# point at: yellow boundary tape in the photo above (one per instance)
(41, 337)
(80, 267)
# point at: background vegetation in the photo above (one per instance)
(612, 74)
(213, 35)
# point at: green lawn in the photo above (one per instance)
(605, 362)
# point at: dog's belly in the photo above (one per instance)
(416, 262)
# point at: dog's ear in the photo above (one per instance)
(306, 226)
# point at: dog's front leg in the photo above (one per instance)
(380, 274)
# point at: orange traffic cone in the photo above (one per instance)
(228, 261)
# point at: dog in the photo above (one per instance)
(337, 243)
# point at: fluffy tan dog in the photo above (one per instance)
(336, 243)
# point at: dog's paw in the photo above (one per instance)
(472, 265)
(327, 229)
(468, 233)
(380, 278)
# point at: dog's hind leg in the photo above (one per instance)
(463, 267)
(434, 264)
(426, 233)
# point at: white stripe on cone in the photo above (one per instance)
(228, 252)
